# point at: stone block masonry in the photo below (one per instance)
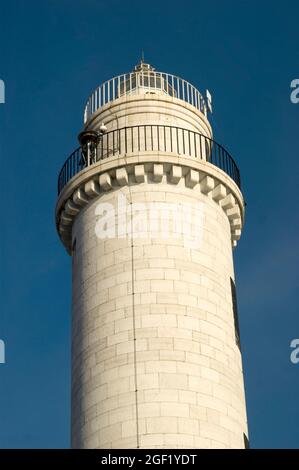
(155, 361)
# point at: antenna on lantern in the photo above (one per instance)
(209, 101)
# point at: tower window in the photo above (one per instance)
(74, 246)
(235, 312)
(246, 441)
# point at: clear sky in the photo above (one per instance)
(53, 53)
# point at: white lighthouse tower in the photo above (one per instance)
(150, 208)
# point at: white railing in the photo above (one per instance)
(144, 82)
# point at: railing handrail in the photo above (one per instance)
(110, 90)
(195, 145)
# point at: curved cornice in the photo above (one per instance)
(118, 171)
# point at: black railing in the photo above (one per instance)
(144, 138)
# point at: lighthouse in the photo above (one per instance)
(150, 210)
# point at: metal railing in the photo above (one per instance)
(144, 138)
(143, 82)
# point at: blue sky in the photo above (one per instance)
(53, 53)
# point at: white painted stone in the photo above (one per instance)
(157, 172)
(105, 181)
(80, 198)
(207, 185)
(121, 176)
(153, 327)
(236, 224)
(71, 208)
(228, 202)
(92, 188)
(233, 213)
(66, 219)
(139, 173)
(175, 174)
(236, 234)
(192, 178)
(219, 192)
